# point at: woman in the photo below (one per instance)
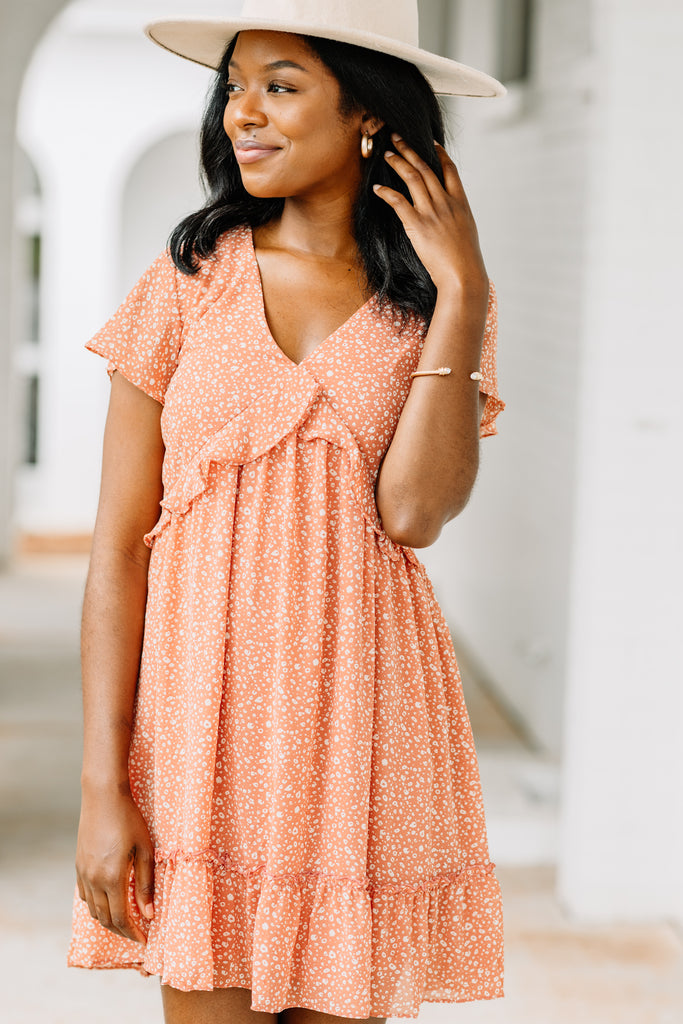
(281, 809)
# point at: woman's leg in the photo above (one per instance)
(299, 1015)
(221, 1006)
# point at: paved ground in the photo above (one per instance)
(556, 971)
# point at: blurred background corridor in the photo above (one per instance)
(561, 580)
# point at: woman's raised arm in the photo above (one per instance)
(431, 464)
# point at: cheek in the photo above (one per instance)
(330, 139)
(338, 151)
(311, 123)
(226, 121)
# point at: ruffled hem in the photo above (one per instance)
(334, 944)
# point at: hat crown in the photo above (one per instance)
(394, 20)
(385, 26)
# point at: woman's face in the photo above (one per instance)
(282, 117)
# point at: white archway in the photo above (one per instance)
(161, 188)
(83, 123)
(94, 147)
(23, 25)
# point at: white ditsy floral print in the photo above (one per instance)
(301, 748)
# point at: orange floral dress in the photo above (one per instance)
(301, 749)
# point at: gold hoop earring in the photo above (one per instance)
(366, 144)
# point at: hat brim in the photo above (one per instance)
(203, 40)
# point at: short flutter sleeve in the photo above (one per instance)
(488, 385)
(142, 339)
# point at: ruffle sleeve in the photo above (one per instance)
(488, 385)
(142, 339)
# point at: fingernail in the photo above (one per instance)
(376, 188)
(389, 152)
(149, 910)
(396, 137)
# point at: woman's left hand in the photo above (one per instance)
(439, 223)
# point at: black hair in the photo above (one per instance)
(386, 87)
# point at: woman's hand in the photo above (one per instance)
(113, 839)
(439, 223)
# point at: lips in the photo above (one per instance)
(249, 150)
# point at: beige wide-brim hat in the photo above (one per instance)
(389, 26)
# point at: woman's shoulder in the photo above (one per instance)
(230, 244)
(406, 327)
(215, 272)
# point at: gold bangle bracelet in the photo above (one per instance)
(443, 371)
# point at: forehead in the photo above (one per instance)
(256, 48)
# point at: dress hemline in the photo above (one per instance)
(441, 999)
(388, 947)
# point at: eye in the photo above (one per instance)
(279, 89)
(230, 86)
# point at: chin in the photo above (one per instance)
(262, 192)
(256, 185)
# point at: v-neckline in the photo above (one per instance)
(256, 271)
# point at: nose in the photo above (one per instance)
(243, 109)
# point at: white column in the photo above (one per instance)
(622, 829)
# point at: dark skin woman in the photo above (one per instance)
(294, 140)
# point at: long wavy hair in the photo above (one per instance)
(386, 87)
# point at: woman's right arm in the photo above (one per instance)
(112, 835)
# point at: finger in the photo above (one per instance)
(400, 204)
(102, 911)
(144, 882)
(451, 176)
(90, 900)
(428, 176)
(419, 192)
(122, 921)
(81, 889)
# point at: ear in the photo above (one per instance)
(370, 124)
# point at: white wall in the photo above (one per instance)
(563, 575)
(502, 567)
(622, 843)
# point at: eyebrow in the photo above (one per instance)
(276, 65)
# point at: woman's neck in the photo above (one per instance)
(322, 229)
